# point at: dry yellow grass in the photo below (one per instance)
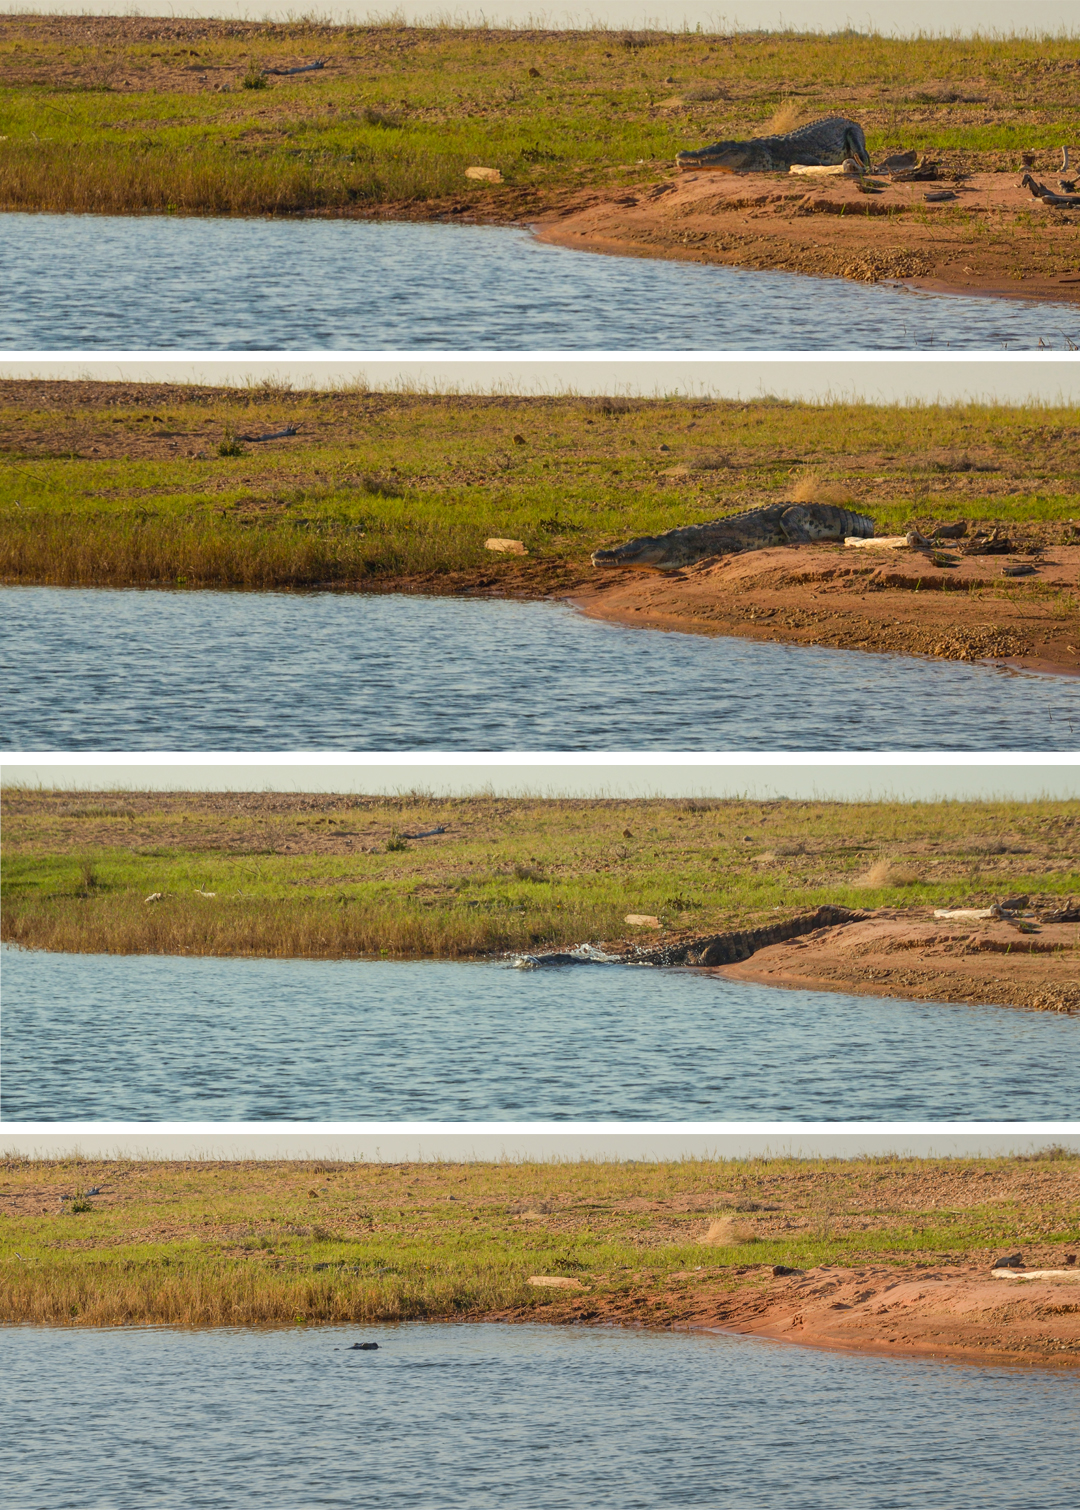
(812, 488)
(889, 873)
(789, 117)
(728, 1232)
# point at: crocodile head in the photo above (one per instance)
(646, 553)
(723, 157)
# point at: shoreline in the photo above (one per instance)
(601, 227)
(960, 1324)
(573, 133)
(841, 893)
(126, 485)
(889, 602)
(890, 953)
(884, 1254)
(947, 1313)
(705, 217)
(573, 588)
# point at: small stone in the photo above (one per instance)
(507, 547)
(554, 1282)
(485, 175)
(641, 920)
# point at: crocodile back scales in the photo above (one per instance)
(818, 144)
(752, 529)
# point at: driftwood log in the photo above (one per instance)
(274, 435)
(304, 68)
(1040, 191)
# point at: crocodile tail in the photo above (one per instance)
(855, 145)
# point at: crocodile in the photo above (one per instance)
(776, 524)
(739, 944)
(821, 144)
(709, 951)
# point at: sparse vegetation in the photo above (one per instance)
(246, 1243)
(110, 115)
(119, 485)
(331, 876)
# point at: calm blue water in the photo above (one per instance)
(498, 1417)
(121, 283)
(114, 1037)
(101, 669)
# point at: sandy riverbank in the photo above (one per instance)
(578, 132)
(951, 1311)
(894, 1254)
(992, 238)
(908, 953)
(889, 600)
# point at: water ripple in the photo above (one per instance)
(104, 669)
(519, 1418)
(141, 1038)
(156, 282)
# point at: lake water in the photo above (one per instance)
(103, 669)
(137, 1038)
(159, 282)
(499, 1417)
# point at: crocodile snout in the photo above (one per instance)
(648, 554)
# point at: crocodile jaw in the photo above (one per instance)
(647, 558)
(728, 161)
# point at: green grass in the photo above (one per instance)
(324, 877)
(239, 1243)
(127, 116)
(120, 485)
